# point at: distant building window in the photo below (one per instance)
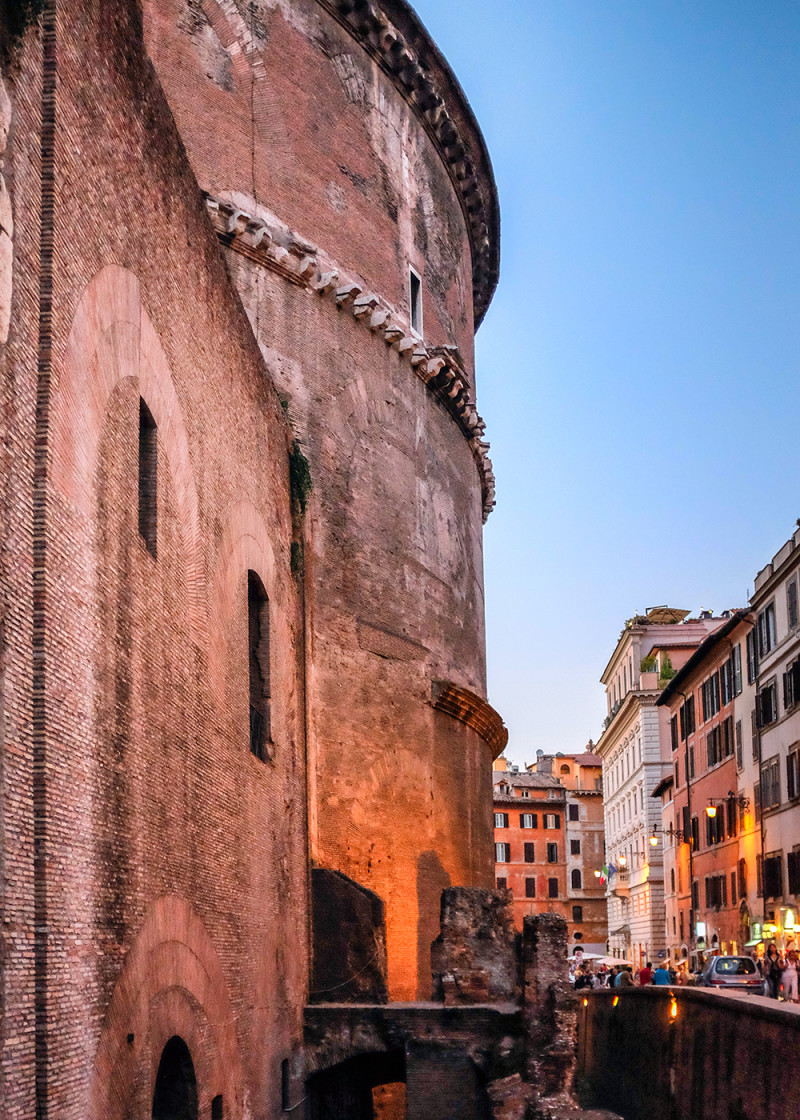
(711, 697)
(530, 888)
(771, 784)
(577, 913)
(773, 875)
(575, 847)
(502, 884)
(767, 705)
(673, 732)
(552, 888)
(739, 746)
(501, 820)
(791, 685)
(552, 853)
(793, 773)
(148, 478)
(765, 628)
(502, 853)
(687, 722)
(742, 870)
(527, 820)
(524, 793)
(529, 856)
(258, 628)
(415, 299)
(791, 603)
(552, 820)
(574, 812)
(565, 769)
(793, 867)
(672, 879)
(577, 881)
(752, 657)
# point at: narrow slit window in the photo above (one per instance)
(415, 297)
(258, 636)
(148, 478)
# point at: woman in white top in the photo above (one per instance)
(789, 976)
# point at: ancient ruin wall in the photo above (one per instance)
(336, 150)
(154, 870)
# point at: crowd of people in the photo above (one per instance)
(780, 970)
(622, 975)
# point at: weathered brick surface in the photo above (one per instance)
(719, 1057)
(475, 958)
(285, 113)
(171, 892)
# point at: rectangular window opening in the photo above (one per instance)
(258, 638)
(148, 478)
(415, 300)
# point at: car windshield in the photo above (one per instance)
(735, 966)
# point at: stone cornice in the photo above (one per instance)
(270, 244)
(392, 34)
(643, 698)
(476, 713)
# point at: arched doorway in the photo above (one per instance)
(175, 1094)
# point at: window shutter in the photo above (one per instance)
(535, 820)
(505, 820)
(558, 820)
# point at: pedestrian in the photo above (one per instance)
(771, 971)
(790, 972)
(661, 975)
(646, 974)
(625, 978)
(583, 979)
(673, 975)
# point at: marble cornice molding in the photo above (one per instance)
(472, 710)
(267, 242)
(391, 33)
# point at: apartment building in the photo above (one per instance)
(530, 841)
(773, 665)
(636, 756)
(702, 808)
(581, 775)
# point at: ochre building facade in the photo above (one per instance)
(243, 251)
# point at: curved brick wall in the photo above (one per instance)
(336, 150)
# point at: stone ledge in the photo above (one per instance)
(272, 245)
(471, 710)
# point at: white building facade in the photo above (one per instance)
(636, 757)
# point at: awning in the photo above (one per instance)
(752, 944)
(623, 931)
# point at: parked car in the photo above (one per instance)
(730, 972)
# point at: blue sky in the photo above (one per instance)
(638, 369)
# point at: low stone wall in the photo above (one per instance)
(688, 1054)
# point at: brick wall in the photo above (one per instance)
(285, 114)
(169, 893)
(720, 1057)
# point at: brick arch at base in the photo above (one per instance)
(171, 984)
(111, 338)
